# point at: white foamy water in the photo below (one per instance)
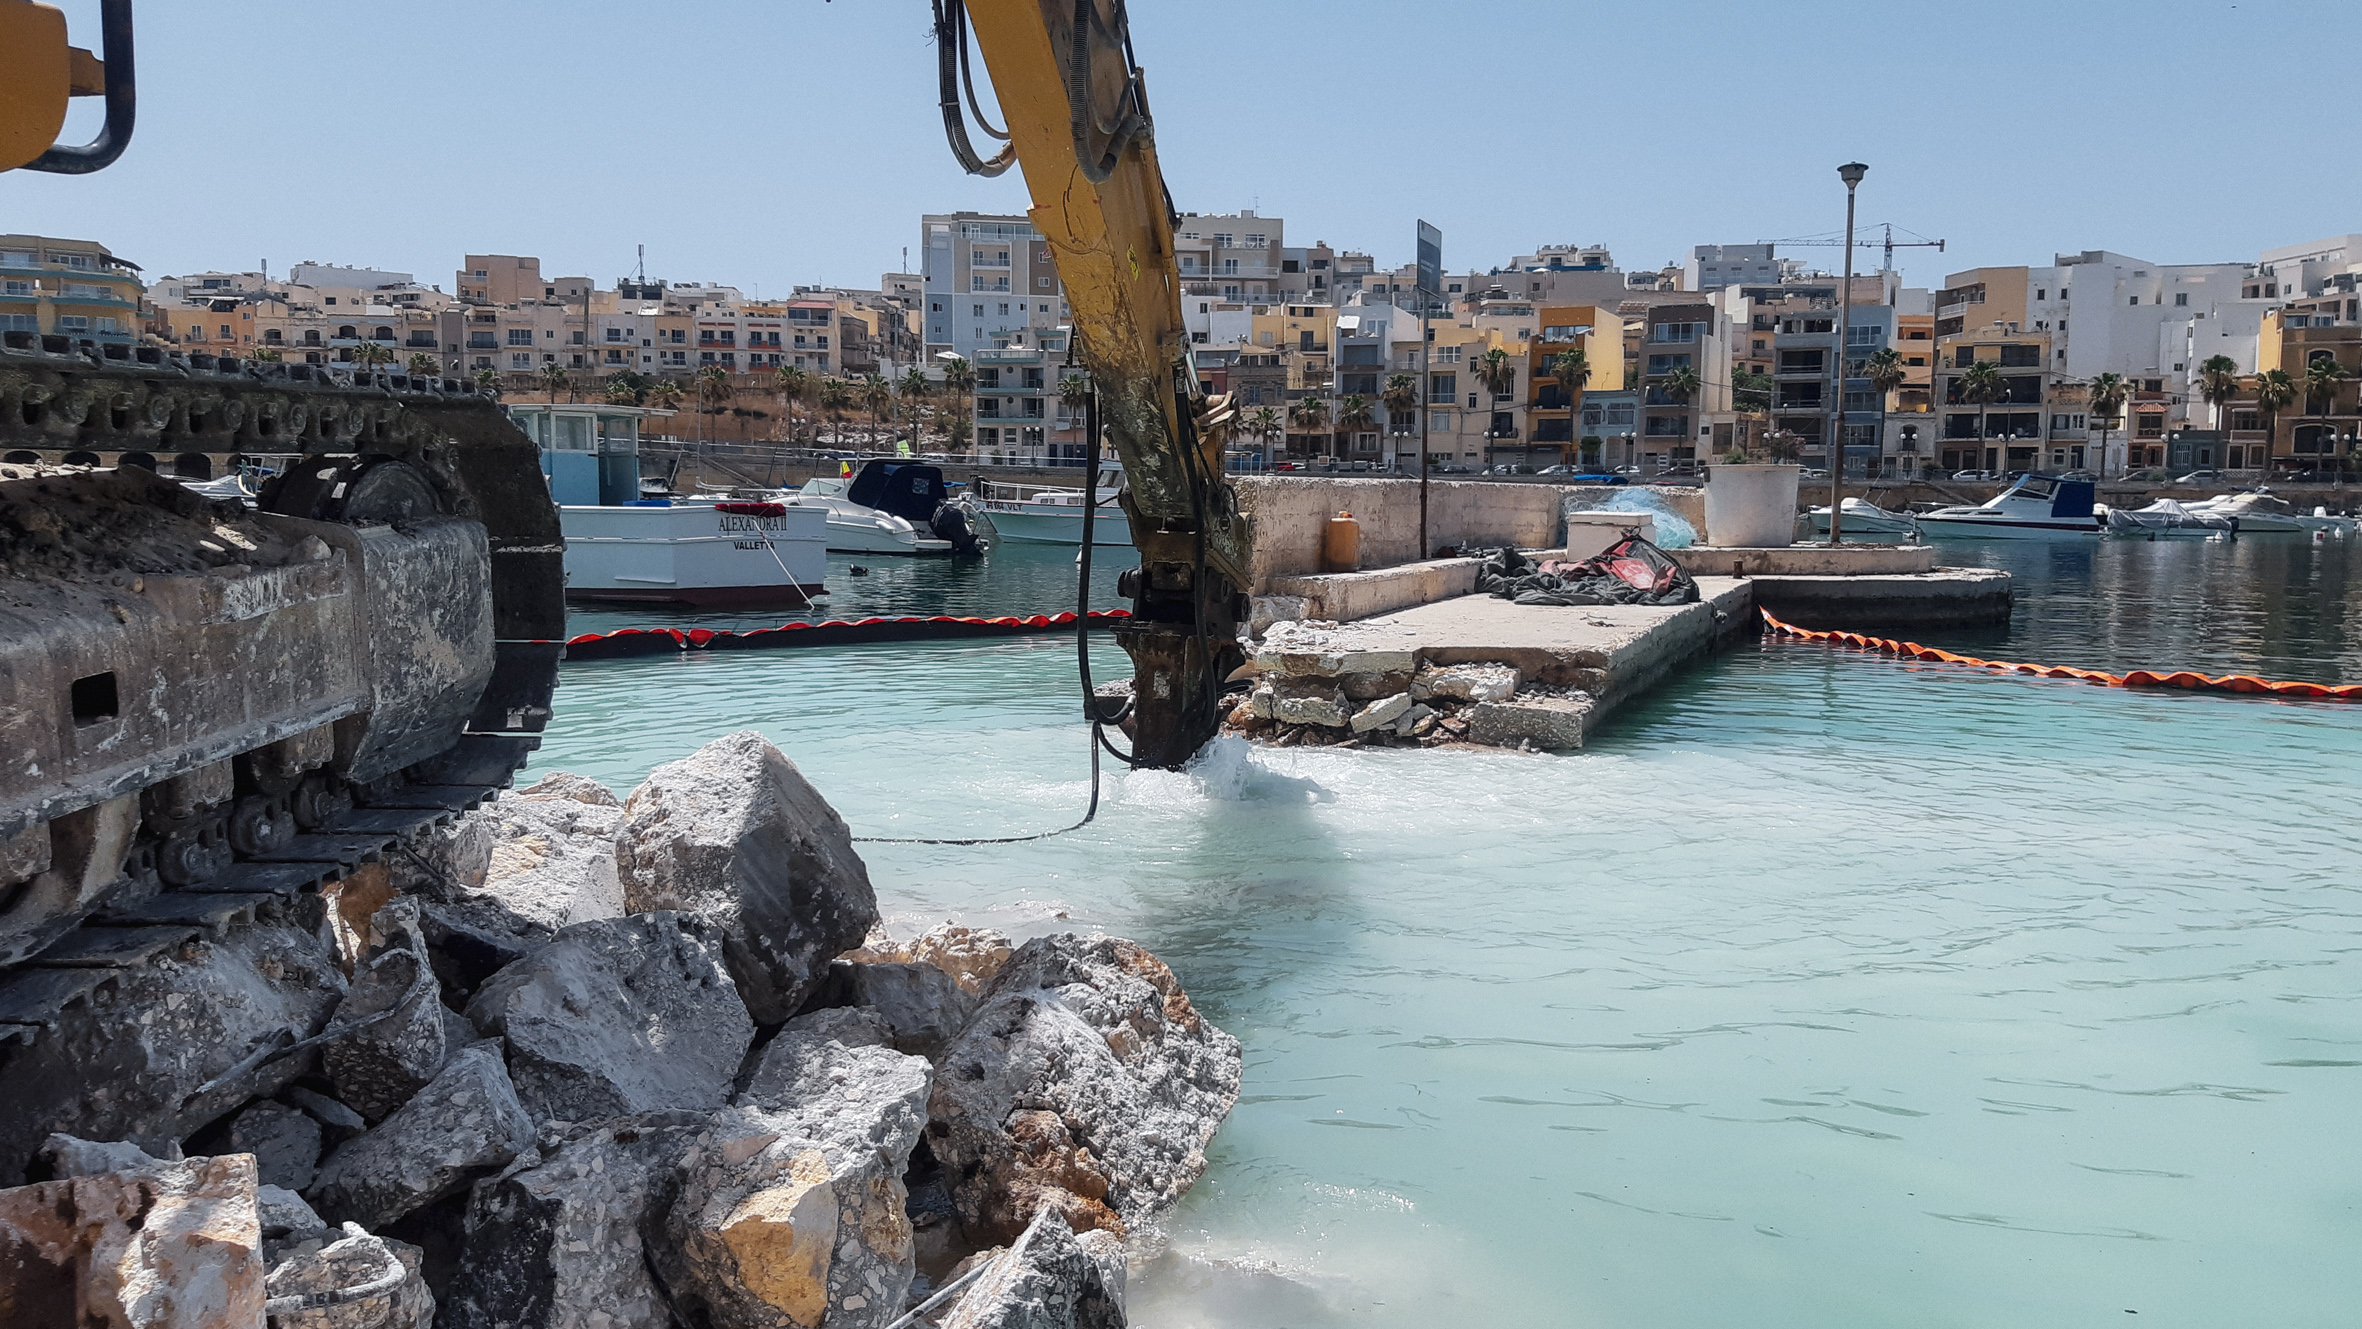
(1825, 991)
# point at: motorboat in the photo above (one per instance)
(2166, 517)
(1866, 520)
(725, 554)
(2260, 511)
(2036, 507)
(1049, 514)
(856, 528)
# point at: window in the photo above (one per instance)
(1230, 267)
(978, 311)
(1673, 332)
(2181, 298)
(1666, 364)
(1004, 311)
(2135, 300)
(1443, 387)
(1872, 335)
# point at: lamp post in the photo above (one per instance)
(1851, 173)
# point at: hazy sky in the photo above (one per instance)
(771, 142)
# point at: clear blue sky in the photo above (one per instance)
(776, 141)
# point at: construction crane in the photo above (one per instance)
(1889, 244)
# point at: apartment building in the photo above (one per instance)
(1019, 416)
(76, 289)
(987, 278)
(1233, 257)
(1692, 337)
(2009, 432)
(1712, 267)
(1553, 412)
(2313, 432)
(497, 279)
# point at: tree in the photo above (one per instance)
(2274, 391)
(1571, 370)
(915, 389)
(2323, 377)
(555, 379)
(835, 396)
(1982, 384)
(266, 355)
(486, 377)
(713, 389)
(2218, 382)
(423, 365)
(1264, 423)
(959, 384)
(1354, 415)
(1681, 387)
(1400, 397)
(1312, 413)
(1498, 375)
(1886, 372)
(370, 354)
(794, 387)
(620, 393)
(878, 396)
(665, 396)
(1074, 393)
(2109, 393)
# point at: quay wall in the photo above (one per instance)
(1291, 513)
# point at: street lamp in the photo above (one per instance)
(1851, 173)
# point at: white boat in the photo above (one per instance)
(708, 554)
(2166, 517)
(2260, 511)
(2036, 507)
(1042, 514)
(855, 528)
(1866, 520)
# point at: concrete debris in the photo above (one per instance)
(619, 1016)
(1381, 713)
(792, 1208)
(1371, 687)
(923, 1004)
(397, 1041)
(1553, 724)
(1468, 682)
(127, 1063)
(553, 853)
(734, 832)
(565, 784)
(472, 938)
(177, 1245)
(853, 1026)
(467, 1122)
(555, 1242)
(283, 1211)
(1085, 1081)
(354, 1261)
(66, 1156)
(1051, 1279)
(970, 955)
(443, 862)
(338, 1122)
(1308, 701)
(285, 1143)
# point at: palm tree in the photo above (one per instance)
(1354, 415)
(621, 393)
(423, 365)
(1681, 387)
(665, 396)
(1982, 384)
(1265, 424)
(878, 395)
(1498, 373)
(370, 354)
(2109, 393)
(486, 377)
(1074, 393)
(959, 384)
(794, 386)
(714, 389)
(2323, 376)
(1572, 371)
(1400, 397)
(1886, 372)
(915, 390)
(1311, 412)
(2274, 391)
(555, 379)
(834, 395)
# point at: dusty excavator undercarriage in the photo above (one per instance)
(209, 712)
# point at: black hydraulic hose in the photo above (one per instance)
(122, 96)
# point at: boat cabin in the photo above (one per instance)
(590, 451)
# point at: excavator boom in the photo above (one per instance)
(1078, 123)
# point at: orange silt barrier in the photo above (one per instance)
(2138, 678)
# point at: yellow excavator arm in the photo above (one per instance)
(1076, 108)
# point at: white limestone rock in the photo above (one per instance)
(1465, 682)
(970, 955)
(176, 1245)
(734, 832)
(618, 1016)
(1086, 1081)
(1382, 713)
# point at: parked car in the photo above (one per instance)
(2077, 475)
(1561, 469)
(1597, 478)
(1976, 475)
(2201, 478)
(1813, 475)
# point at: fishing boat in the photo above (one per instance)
(1049, 514)
(2036, 507)
(1866, 520)
(2166, 517)
(741, 555)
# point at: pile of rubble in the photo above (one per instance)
(1316, 687)
(581, 1062)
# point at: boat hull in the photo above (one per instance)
(1051, 527)
(695, 554)
(2005, 529)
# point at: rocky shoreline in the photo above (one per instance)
(577, 1062)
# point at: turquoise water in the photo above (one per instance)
(1824, 990)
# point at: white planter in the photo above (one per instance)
(1751, 507)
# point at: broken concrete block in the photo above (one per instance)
(1465, 682)
(853, 1026)
(553, 853)
(792, 1207)
(1553, 724)
(1051, 1280)
(1372, 687)
(441, 862)
(566, 784)
(468, 1121)
(734, 832)
(126, 1063)
(285, 1144)
(557, 1245)
(394, 1002)
(1086, 1081)
(338, 1123)
(283, 1211)
(353, 1260)
(1408, 722)
(923, 1005)
(173, 1246)
(1309, 700)
(66, 1156)
(617, 1016)
(970, 955)
(1382, 713)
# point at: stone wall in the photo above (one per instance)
(1290, 513)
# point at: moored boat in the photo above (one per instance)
(711, 555)
(1865, 520)
(2036, 507)
(857, 528)
(1049, 514)
(2166, 517)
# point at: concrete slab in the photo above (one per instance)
(1945, 597)
(1805, 560)
(1342, 597)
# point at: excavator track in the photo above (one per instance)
(259, 725)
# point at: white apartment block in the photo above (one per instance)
(988, 279)
(1234, 257)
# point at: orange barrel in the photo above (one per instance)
(1340, 544)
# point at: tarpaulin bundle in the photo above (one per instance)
(1631, 572)
(836, 632)
(2138, 678)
